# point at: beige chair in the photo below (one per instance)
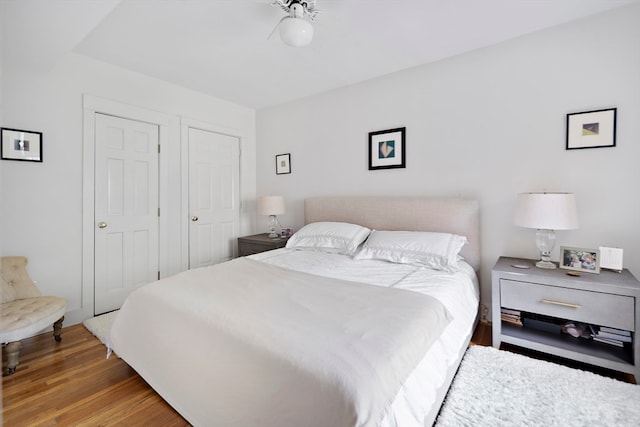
(24, 311)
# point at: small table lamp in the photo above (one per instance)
(272, 206)
(546, 212)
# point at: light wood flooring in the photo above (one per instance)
(72, 383)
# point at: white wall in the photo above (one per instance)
(487, 125)
(1, 115)
(41, 205)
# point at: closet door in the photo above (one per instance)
(126, 209)
(214, 197)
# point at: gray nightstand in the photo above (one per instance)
(249, 245)
(607, 299)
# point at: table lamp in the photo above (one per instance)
(272, 206)
(546, 212)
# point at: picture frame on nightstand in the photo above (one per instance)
(580, 259)
(286, 232)
(611, 258)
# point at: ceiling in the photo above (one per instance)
(220, 47)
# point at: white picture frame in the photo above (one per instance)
(580, 259)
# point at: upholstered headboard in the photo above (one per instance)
(450, 215)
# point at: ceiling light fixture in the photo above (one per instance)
(295, 29)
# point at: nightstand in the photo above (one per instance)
(249, 245)
(608, 299)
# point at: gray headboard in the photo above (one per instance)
(450, 215)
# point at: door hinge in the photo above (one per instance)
(158, 211)
(158, 275)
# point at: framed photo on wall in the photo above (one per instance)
(283, 164)
(21, 145)
(591, 129)
(579, 259)
(387, 149)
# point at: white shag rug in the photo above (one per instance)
(499, 388)
(100, 326)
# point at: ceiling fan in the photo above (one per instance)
(295, 29)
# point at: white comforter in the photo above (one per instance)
(419, 399)
(262, 345)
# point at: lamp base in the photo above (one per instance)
(544, 241)
(546, 264)
(273, 224)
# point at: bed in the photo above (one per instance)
(310, 336)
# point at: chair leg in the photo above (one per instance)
(13, 354)
(57, 329)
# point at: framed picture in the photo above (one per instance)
(387, 149)
(286, 232)
(283, 164)
(21, 145)
(579, 259)
(591, 129)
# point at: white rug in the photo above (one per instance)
(499, 388)
(100, 326)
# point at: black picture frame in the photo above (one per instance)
(591, 129)
(20, 145)
(283, 164)
(387, 149)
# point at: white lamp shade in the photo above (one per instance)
(546, 211)
(296, 32)
(271, 205)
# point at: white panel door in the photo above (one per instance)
(126, 209)
(214, 192)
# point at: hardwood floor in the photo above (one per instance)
(72, 383)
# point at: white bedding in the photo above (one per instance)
(459, 292)
(169, 351)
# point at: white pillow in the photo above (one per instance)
(430, 249)
(334, 237)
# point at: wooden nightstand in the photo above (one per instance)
(607, 299)
(249, 245)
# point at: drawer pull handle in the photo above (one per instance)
(564, 304)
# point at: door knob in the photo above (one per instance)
(102, 224)
(194, 218)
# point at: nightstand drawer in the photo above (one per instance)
(248, 248)
(596, 308)
(249, 245)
